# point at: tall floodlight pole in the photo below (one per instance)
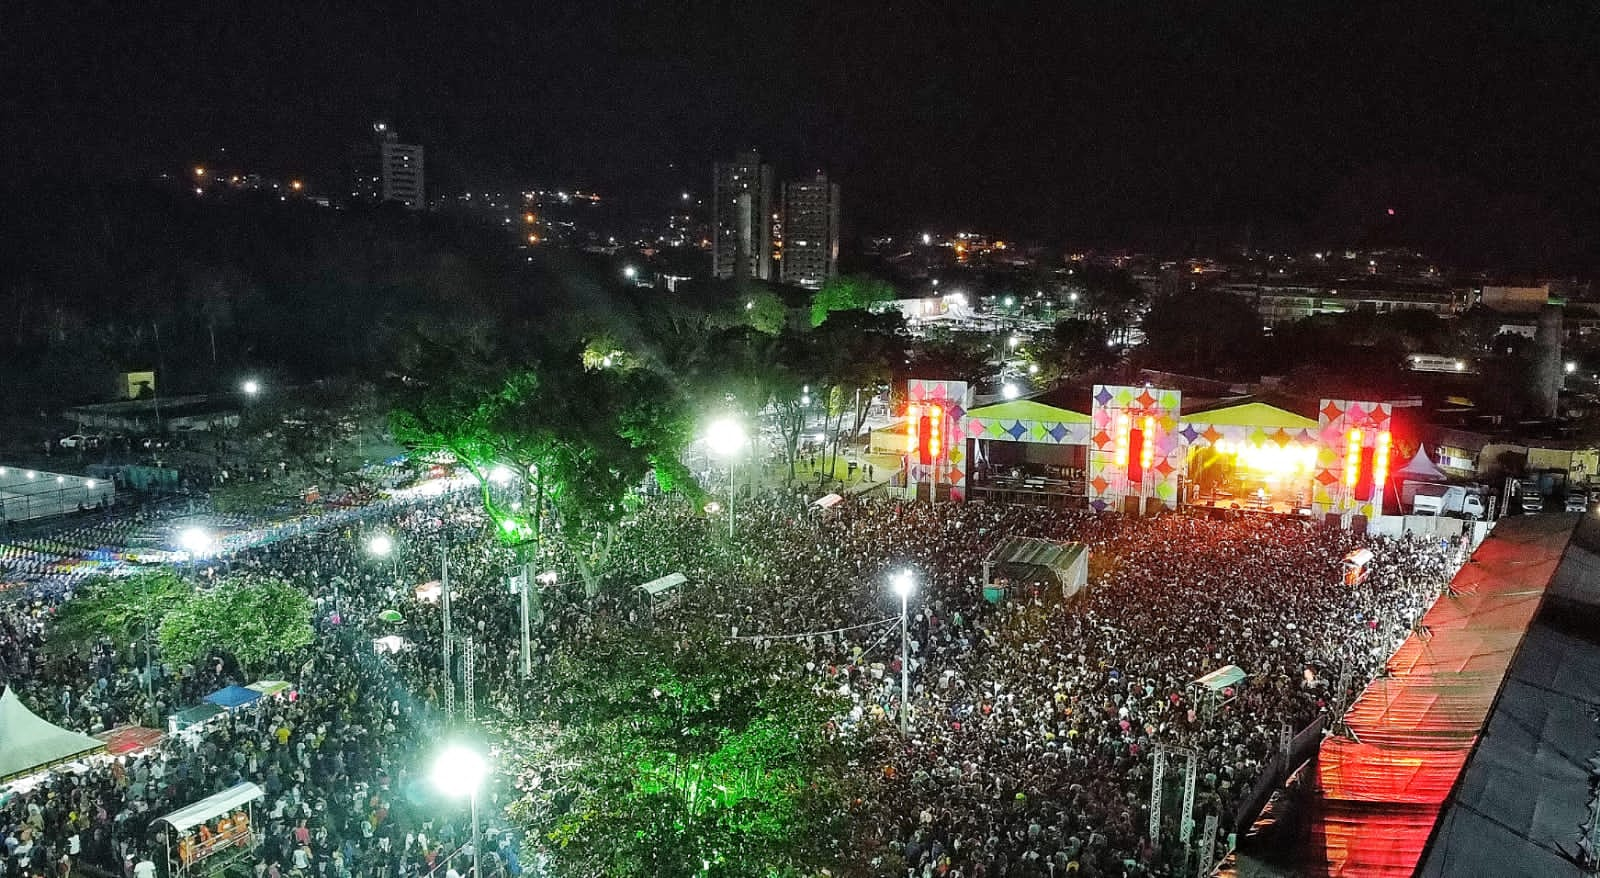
(444, 606)
(726, 437)
(903, 585)
(460, 771)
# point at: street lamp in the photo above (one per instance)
(381, 545)
(630, 272)
(903, 585)
(251, 387)
(726, 437)
(459, 771)
(196, 541)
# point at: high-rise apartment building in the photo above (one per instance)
(810, 231)
(384, 169)
(402, 172)
(741, 216)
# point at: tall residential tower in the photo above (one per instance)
(384, 169)
(810, 231)
(742, 216)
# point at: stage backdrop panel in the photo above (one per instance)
(954, 397)
(1336, 419)
(1118, 409)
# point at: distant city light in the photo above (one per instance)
(630, 272)
(1571, 367)
(685, 196)
(296, 185)
(1072, 297)
(251, 387)
(926, 240)
(199, 171)
(1390, 211)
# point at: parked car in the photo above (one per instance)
(80, 441)
(1531, 501)
(1577, 500)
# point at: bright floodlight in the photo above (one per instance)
(380, 545)
(459, 770)
(195, 540)
(252, 387)
(1010, 391)
(903, 584)
(726, 437)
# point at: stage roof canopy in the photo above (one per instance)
(1251, 414)
(1028, 410)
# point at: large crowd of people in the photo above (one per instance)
(1032, 718)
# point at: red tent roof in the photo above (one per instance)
(1381, 792)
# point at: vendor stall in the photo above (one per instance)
(211, 833)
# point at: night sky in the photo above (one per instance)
(1056, 119)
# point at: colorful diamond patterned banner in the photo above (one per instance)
(1109, 484)
(955, 397)
(1336, 418)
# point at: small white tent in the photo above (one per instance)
(29, 744)
(1421, 469)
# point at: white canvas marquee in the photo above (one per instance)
(29, 744)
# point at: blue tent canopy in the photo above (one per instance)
(233, 696)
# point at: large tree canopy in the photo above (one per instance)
(120, 609)
(249, 618)
(685, 755)
(855, 292)
(554, 439)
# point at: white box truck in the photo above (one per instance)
(1447, 500)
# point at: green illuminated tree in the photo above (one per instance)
(554, 442)
(855, 292)
(685, 756)
(121, 609)
(249, 618)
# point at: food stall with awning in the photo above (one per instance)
(233, 697)
(213, 831)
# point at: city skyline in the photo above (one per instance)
(1080, 121)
